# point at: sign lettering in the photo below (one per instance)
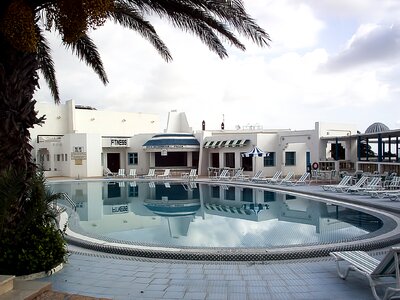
(121, 209)
(119, 142)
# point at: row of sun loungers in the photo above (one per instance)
(276, 179)
(151, 174)
(366, 185)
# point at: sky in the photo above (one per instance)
(329, 61)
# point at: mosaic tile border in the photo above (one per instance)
(242, 254)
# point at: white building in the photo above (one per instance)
(78, 141)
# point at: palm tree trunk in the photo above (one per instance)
(18, 81)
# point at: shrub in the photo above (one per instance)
(30, 242)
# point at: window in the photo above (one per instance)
(290, 158)
(78, 149)
(230, 193)
(215, 192)
(247, 195)
(132, 158)
(58, 157)
(269, 161)
(66, 157)
(269, 196)
(133, 191)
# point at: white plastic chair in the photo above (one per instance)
(165, 175)
(132, 173)
(151, 174)
(121, 173)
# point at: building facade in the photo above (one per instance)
(78, 141)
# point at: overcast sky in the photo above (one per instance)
(329, 61)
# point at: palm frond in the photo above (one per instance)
(234, 13)
(131, 18)
(205, 33)
(216, 14)
(46, 65)
(176, 9)
(86, 50)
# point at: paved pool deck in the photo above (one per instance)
(103, 275)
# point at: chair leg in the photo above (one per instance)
(390, 292)
(373, 288)
(345, 273)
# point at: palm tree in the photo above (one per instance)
(24, 49)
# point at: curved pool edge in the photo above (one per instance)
(247, 254)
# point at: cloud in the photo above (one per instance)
(277, 87)
(290, 25)
(371, 44)
(382, 11)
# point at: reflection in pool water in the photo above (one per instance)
(202, 215)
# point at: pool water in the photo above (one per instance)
(205, 215)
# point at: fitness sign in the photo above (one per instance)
(116, 142)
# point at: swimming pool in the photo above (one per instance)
(183, 215)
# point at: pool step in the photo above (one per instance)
(12, 288)
(6, 283)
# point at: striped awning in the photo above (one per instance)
(172, 140)
(225, 143)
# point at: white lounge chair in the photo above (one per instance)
(392, 188)
(272, 179)
(121, 173)
(238, 175)
(257, 176)
(378, 272)
(301, 181)
(360, 183)
(223, 176)
(392, 181)
(342, 184)
(107, 172)
(151, 174)
(287, 178)
(132, 173)
(166, 174)
(191, 175)
(374, 184)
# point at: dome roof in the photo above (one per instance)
(377, 127)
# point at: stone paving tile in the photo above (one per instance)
(195, 295)
(218, 289)
(217, 296)
(252, 296)
(174, 295)
(239, 296)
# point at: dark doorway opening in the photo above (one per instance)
(337, 150)
(172, 159)
(215, 160)
(195, 160)
(247, 163)
(113, 162)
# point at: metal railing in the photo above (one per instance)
(70, 201)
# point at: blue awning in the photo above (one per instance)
(172, 140)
